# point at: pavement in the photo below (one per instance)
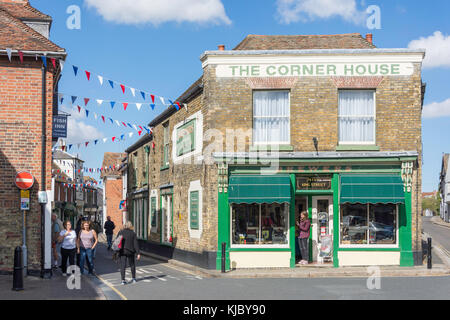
(437, 220)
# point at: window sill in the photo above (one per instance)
(164, 167)
(269, 147)
(351, 147)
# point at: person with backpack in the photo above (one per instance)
(129, 250)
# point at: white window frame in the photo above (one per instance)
(274, 143)
(196, 186)
(368, 245)
(367, 143)
(198, 149)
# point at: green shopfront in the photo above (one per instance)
(359, 205)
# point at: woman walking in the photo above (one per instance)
(304, 226)
(128, 252)
(86, 242)
(68, 238)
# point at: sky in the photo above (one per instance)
(155, 45)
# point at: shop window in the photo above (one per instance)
(357, 117)
(271, 117)
(260, 224)
(369, 224)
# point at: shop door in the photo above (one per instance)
(322, 229)
(166, 227)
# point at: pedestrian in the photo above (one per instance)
(86, 242)
(128, 252)
(304, 225)
(109, 227)
(57, 226)
(68, 238)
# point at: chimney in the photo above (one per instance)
(221, 47)
(369, 38)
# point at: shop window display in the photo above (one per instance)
(368, 224)
(260, 224)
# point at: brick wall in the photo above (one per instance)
(20, 150)
(113, 196)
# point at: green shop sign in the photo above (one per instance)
(315, 70)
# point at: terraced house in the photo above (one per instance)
(328, 124)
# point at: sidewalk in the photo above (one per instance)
(36, 288)
(437, 220)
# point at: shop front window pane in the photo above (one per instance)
(382, 224)
(245, 223)
(354, 224)
(274, 219)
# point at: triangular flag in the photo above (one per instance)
(135, 128)
(44, 61)
(61, 64)
(117, 122)
(100, 79)
(143, 94)
(74, 98)
(178, 104)
(87, 113)
(141, 128)
(87, 143)
(112, 104)
(104, 140)
(185, 106)
(113, 138)
(152, 105)
(130, 134)
(139, 105)
(103, 119)
(130, 125)
(121, 137)
(111, 120)
(21, 56)
(111, 83)
(86, 101)
(124, 124)
(162, 100)
(123, 88)
(125, 105)
(9, 53)
(88, 75)
(75, 70)
(133, 91)
(70, 146)
(95, 141)
(99, 102)
(53, 60)
(139, 132)
(153, 98)
(79, 108)
(61, 97)
(95, 116)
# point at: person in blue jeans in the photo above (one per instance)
(86, 243)
(109, 227)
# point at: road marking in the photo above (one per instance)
(172, 277)
(112, 287)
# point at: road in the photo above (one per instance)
(160, 281)
(439, 234)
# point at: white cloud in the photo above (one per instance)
(159, 11)
(437, 49)
(308, 10)
(79, 132)
(437, 109)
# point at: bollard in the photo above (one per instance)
(429, 264)
(223, 256)
(18, 270)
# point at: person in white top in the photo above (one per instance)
(68, 238)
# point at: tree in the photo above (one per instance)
(433, 203)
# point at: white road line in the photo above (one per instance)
(160, 278)
(172, 277)
(145, 271)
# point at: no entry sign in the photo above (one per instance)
(24, 180)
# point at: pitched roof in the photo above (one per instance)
(24, 11)
(304, 42)
(17, 35)
(112, 159)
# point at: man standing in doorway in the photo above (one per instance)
(109, 227)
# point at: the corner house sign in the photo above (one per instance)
(315, 70)
(314, 183)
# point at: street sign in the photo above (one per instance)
(24, 180)
(25, 200)
(59, 126)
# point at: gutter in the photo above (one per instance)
(52, 54)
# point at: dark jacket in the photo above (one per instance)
(109, 227)
(305, 225)
(130, 244)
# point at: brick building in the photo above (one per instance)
(327, 124)
(26, 103)
(113, 188)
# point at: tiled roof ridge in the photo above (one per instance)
(17, 9)
(19, 24)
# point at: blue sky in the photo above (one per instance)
(155, 45)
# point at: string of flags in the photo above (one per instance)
(138, 128)
(102, 79)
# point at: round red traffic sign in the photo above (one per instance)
(24, 180)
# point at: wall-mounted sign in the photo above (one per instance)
(59, 126)
(313, 183)
(315, 70)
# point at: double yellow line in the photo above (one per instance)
(112, 287)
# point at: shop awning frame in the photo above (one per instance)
(251, 188)
(373, 189)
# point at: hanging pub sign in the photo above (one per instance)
(59, 126)
(313, 183)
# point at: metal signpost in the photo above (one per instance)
(24, 181)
